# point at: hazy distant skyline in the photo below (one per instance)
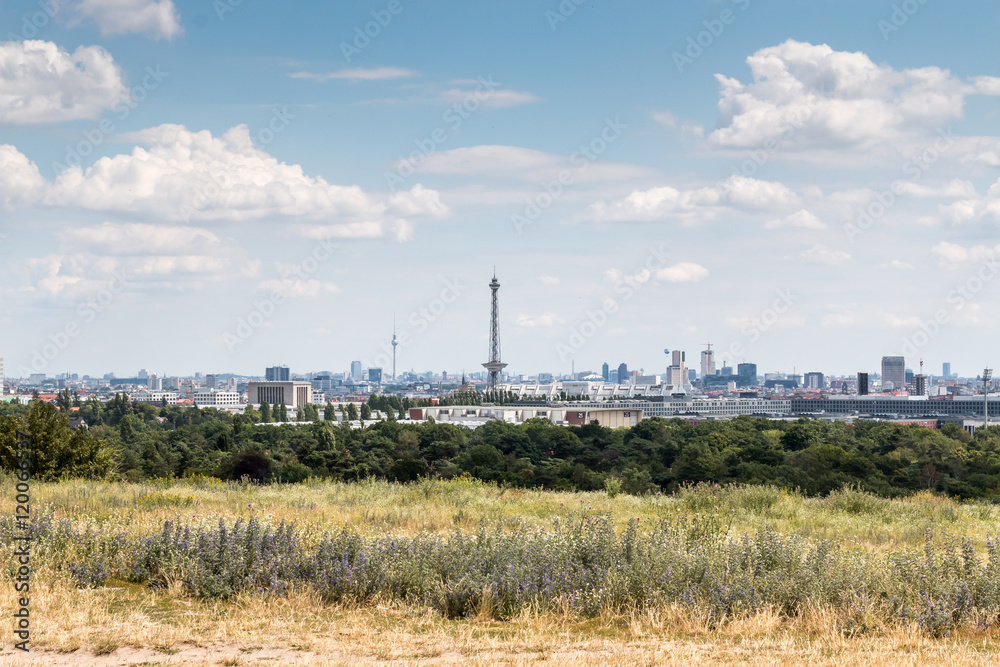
(808, 185)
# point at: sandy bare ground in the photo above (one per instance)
(723, 651)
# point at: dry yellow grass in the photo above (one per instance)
(132, 625)
(439, 506)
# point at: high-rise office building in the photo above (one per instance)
(356, 370)
(707, 363)
(747, 374)
(677, 372)
(726, 370)
(154, 382)
(606, 371)
(814, 380)
(277, 374)
(862, 384)
(893, 373)
(623, 374)
(375, 375)
(946, 370)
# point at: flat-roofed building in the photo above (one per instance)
(215, 399)
(292, 394)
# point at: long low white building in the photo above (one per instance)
(594, 391)
(569, 415)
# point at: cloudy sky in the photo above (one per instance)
(219, 186)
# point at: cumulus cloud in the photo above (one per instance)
(951, 256)
(685, 272)
(155, 18)
(20, 182)
(811, 96)
(43, 83)
(695, 205)
(549, 280)
(802, 219)
(186, 175)
(139, 239)
(419, 201)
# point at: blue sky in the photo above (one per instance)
(228, 152)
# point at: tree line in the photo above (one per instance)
(133, 441)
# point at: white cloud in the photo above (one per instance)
(419, 201)
(43, 83)
(954, 188)
(685, 272)
(546, 320)
(497, 98)
(820, 254)
(156, 18)
(665, 118)
(951, 256)
(810, 96)
(139, 239)
(20, 182)
(192, 175)
(359, 74)
(523, 164)
(696, 205)
(802, 219)
(549, 280)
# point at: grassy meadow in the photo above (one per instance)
(461, 571)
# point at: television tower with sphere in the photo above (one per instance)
(494, 365)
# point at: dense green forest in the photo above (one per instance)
(134, 441)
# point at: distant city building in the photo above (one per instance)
(946, 370)
(814, 380)
(747, 375)
(142, 374)
(36, 379)
(677, 372)
(292, 394)
(216, 399)
(154, 382)
(323, 382)
(544, 378)
(211, 381)
(605, 370)
(375, 375)
(623, 374)
(920, 385)
(612, 377)
(726, 370)
(356, 370)
(893, 373)
(862, 384)
(707, 363)
(154, 397)
(277, 374)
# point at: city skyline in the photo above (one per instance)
(209, 186)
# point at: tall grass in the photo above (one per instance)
(689, 551)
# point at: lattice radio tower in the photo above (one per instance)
(494, 365)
